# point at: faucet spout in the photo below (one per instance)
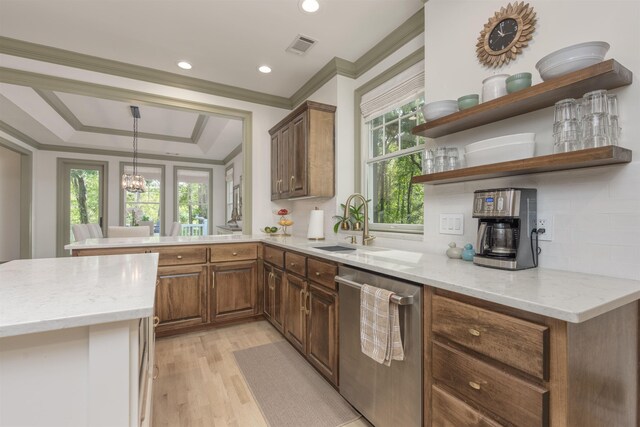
(366, 237)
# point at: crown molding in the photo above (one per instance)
(408, 30)
(232, 154)
(198, 128)
(68, 58)
(10, 130)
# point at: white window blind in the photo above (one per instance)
(393, 93)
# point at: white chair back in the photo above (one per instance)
(118, 231)
(147, 224)
(95, 231)
(176, 228)
(80, 232)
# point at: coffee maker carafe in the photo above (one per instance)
(507, 217)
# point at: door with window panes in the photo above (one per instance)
(145, 207)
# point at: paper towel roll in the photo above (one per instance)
(316, 224)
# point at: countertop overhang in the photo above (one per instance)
(569, 296)
(39, 295)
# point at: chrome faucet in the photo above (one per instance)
(366, 237)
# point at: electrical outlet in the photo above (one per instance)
(451, 223)
(546, 222)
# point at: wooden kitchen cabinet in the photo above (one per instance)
(490, 365)
(181, 297)
(273, 296)
(311, 312)
(302, 153)
(234, 290)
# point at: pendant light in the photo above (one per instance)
(133, 182)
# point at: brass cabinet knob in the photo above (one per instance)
(293, 264)
(474, 385)
(179, 256)
(235, 254)
(156, 321)
(474, 332)
(317, 273)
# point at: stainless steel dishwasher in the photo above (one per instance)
(385, 395)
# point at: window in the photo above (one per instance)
(147, 206)
(229, 193)
(393, 157)
(193, 195)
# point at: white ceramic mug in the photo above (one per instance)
(494, 87)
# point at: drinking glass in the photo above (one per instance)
(595, 102)
(613, 119)
(429, 165)
(441, 159)
(566, 128)
(566, 109)
(596, 131)
(452, 158)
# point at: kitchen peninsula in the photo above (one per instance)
(76, 341)
(538, 345)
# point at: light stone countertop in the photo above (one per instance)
(39, 295)
(573, 297)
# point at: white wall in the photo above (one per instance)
(596, 211)
(9, 205)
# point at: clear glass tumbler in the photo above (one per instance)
(566, 109)
(452, 158)
(441, 159)
(566, 136)
(595, 102)
(428, 164)
(596, 131)
(613, 119)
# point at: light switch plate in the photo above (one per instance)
(452, 223)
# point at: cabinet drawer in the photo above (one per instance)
(296, 263)
(515, 400)
(449, 411)
(235, 252)
(274, 256)
(322, 273)
(181, 255)
(515, 342)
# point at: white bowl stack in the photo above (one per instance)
(500, 149)
(437, 109)
(571, 58)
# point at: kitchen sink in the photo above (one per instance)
(335, 248)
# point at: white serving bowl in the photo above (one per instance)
(437, 109)
(571, 58)
(502, 153)
(500, 141)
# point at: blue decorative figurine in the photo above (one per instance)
(468, 252)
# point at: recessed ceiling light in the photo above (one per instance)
(264, 69)
(310, 6)
(184, 65)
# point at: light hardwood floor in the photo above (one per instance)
(199, 383)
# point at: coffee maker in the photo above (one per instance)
(507, 221)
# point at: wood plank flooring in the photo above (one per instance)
(199, 383)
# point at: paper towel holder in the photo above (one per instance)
(316, 225)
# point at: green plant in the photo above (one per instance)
(356, 214)
(146, 218)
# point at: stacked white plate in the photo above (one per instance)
(500, 149)
(571, 58)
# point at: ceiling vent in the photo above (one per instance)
(301, 45)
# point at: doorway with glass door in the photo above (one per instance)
(81, 197)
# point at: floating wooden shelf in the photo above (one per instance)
(600, 156)
(604, 75)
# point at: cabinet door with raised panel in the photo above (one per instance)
(278, 296)
(181, 297)
(298, 162)
(295, 316)
(322, 331)
(234, 290)
(275, 165)
(267, 288)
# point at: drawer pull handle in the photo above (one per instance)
(156, 372)
(317, 273)
(179, 257)
(302, 300)
(156, 321)
(474, 332)
(474, 385)
(235, 254)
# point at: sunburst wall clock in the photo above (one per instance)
(506, 33)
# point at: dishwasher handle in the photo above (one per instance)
(397, 299)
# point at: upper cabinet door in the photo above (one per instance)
(275, 156)
(298, 157)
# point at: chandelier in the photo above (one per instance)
(133, 182)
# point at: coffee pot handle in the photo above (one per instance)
(482, 232)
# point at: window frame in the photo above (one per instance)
(368, 160)
(176, 214)
(163, 217)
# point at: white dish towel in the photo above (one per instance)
(380, 337)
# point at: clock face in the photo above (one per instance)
(503, 34)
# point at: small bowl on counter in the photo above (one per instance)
(437, 109)
(468, 101)
(518, 82)
(571, 58)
